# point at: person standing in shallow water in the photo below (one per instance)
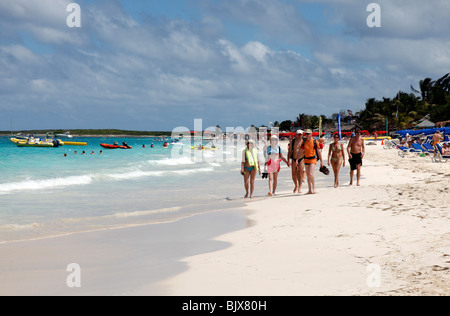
(356, 151)
(249, 166)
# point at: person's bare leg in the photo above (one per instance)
(275, 182)
(294, 174)
(270, 184)
(301, 175)
(252, 183)
(358, 175)
(336, 173)
(246, 183)
(311, 180)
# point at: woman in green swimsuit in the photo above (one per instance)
(250, 165)
(337, 156)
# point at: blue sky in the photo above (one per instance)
(157, 65)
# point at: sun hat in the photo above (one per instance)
(300, 132)
(308, 131)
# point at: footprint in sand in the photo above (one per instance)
(440, 269)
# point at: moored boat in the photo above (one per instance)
(116, 146)
(36, 142)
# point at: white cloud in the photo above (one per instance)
(257, 50)
(134, 73)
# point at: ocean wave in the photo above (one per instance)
(172, 162)
(144, 213)
(136, 174)
(178, 167)
(190, 171)
(142, 174)
(19, 227)
(6, 188)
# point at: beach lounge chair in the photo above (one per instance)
(420, 150)
(438, 157)
(428, 147)
(390, 143)
(405, 150)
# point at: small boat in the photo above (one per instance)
(36, 142)
(116, 146)
(66, 134)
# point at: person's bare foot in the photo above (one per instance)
(269, 194)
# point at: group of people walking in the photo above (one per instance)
(304, 153)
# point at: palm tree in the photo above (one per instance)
(425, 89)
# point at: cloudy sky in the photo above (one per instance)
(157, 65)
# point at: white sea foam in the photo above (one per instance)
(190, 171)
(136, 174)
(19, 227)
(144, 213)
(29, 184)
(172, 162)
(142, 174)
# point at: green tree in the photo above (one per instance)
(286, 125)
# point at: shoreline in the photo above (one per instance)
(334, 242)
(114, 261)
(287, 245)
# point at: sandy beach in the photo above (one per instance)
(388, 237)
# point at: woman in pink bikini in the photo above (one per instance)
(274, 157)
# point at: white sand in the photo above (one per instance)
(319, 244)
(325, 244)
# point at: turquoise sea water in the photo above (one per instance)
(43, 193)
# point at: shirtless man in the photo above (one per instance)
(437, 138)
(297, 156)
(356, 151)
